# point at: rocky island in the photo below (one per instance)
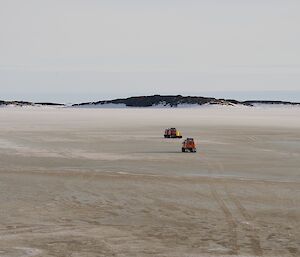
(175, 101)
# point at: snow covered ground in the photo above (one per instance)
(104, 182)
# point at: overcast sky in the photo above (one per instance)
(79, 50)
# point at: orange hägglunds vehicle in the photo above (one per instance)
(189, 145)
(172, 133)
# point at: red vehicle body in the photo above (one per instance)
(172, 133)
(189, 145)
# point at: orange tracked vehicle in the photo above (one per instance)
(172, 133)
(189, 145)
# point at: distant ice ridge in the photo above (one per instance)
(32, 106)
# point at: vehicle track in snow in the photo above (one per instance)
(248, 219)
(254, 237)
(233, 223)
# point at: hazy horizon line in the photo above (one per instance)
(228, 95)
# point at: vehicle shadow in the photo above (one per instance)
(160, 152)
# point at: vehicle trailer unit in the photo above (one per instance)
(172, 133)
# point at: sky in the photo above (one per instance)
(88, 50)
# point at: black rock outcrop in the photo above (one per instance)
(163, 100)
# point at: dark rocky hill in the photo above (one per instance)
(178, 100)
(163, 100)
(157, 100)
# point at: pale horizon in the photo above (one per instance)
(289, 96)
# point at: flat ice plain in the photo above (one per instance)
(104, 182)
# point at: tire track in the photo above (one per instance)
(254, 237)
(231, 220)
(232, 225)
